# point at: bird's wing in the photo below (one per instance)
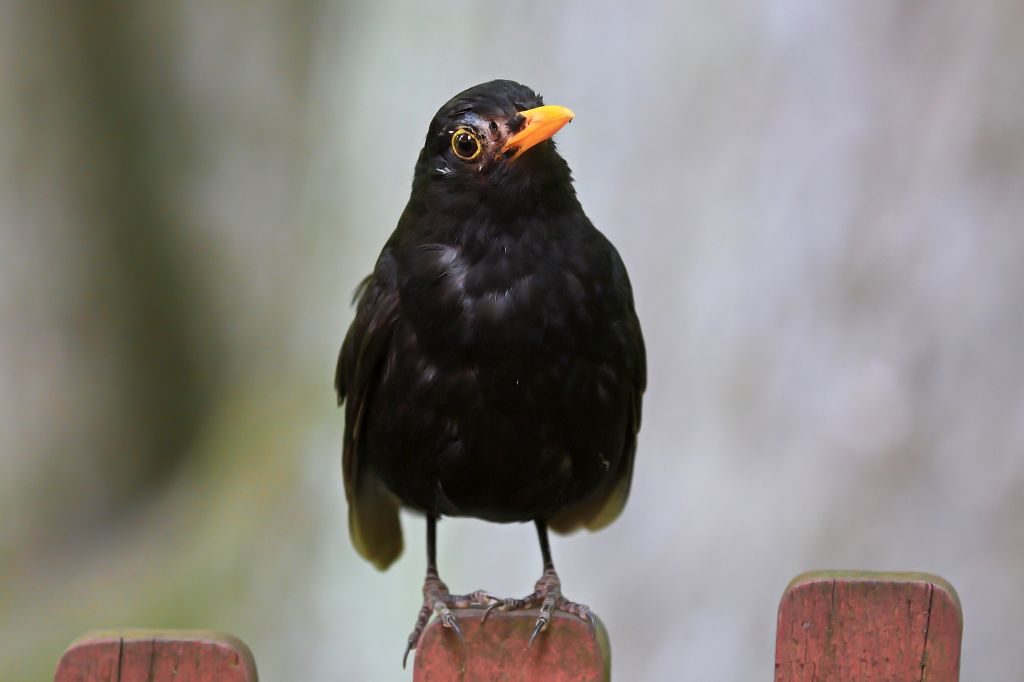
(373, 522)
(604, 505)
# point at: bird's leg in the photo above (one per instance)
(547, 593)
(436, 597)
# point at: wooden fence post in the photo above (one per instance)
(156, 656)
(497, 650)
(833, 626)
(836, 626)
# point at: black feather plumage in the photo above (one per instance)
(495, 367)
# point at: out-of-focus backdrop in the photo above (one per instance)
(822, 209)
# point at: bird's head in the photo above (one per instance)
(493, 143)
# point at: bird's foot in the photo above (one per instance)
(547, 594)
(437, 599)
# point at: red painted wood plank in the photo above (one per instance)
(836, 626)
(156, 656)
(497, 650)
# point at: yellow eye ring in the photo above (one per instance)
(466, 145)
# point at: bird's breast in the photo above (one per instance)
(515, 296)
(504, 367)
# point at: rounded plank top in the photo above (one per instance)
(156, 656)
(568, 651)
(846, 625)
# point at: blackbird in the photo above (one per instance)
(495, 367)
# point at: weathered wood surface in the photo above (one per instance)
(156, 656)
(833, 626)
(497, 650)
(836, 626)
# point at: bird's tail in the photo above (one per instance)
(373, 523)
(595, 511)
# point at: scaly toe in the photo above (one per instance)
(506, 604)
(447, 618)
(437, 599)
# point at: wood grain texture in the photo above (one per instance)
(835, 626)
(156, 656)
(497, 650)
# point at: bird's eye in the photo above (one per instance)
(466, 145)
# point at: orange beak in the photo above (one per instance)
(541, 124)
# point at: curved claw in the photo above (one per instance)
(448, 620)
(503, 605)
(408, 647)
(487, 612)
(492, 602)
(541, 626)
(586, 615)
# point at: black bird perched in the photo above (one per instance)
(495, 367)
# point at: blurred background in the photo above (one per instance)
(822, 209)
